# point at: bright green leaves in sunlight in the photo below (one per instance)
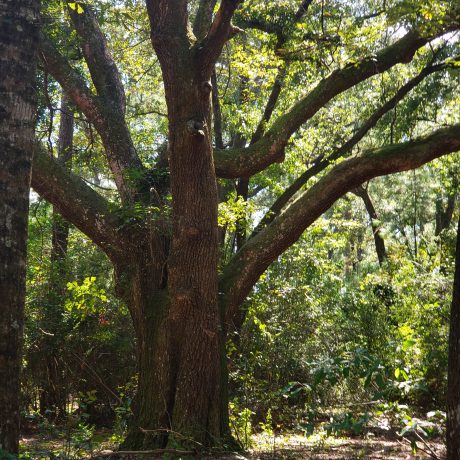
(233, 210)
(85, 298)
(76, 7)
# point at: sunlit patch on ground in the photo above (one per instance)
(319, 447)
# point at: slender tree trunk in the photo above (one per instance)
(18, 41)
(378, 239)
(453, 382)
(444, 216)
(53, 396)
(242, 191)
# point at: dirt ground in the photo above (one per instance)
(284, 447)
(297, 447)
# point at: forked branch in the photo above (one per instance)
(102, 67)
(108, 121)
(222, 29)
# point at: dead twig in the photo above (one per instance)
(430, 452)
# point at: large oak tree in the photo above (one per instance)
(183, 299)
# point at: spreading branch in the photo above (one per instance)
(109, 122)
(203, 18)
(78, 203)
(102, 67)
(321, 163)
(259, 252)
(120, 150)
(222, 29)
(70, 80)
(270, 148)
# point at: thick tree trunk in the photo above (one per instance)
(183, 347)
(453, 381)
(179, 363)
(18, 40)
(53, 395)
(194, 311)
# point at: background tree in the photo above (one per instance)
(53, 395)
(18, 46)
(453, 443)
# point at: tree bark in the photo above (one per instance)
(18, 39)
(180, 352)
(180, 357)
(453, 380)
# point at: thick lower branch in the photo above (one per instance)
(259, 252)
(76, 202)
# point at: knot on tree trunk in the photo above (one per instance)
(206, 87)
(196, 127)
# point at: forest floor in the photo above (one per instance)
(286, 447)
(321, 448)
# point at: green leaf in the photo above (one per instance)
(413, 446)
(76, 7)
